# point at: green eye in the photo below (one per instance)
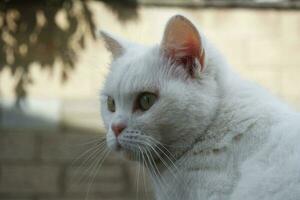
(111, 104)
(146, 100)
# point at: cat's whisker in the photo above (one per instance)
(149, 163)
(176, 168)
(143, 167)
(150, 169)
(97, 148)
(168, 167)
(92, 170)
(89, 153)
(138, 175)
(78, 158)
(150, 145)
(95, 154)
(170, 145)
(163, 144)
(95, 169)
(152, 164)
(157, 176)
(132, 141)
(170, 160)
(159, 143)
(97, 151)
(92, 141)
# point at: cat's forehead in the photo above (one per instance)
(134, 72)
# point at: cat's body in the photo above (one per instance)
(254, 153)
(228, 138)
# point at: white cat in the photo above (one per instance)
(203, 132)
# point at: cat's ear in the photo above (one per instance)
(182, 43)
(113, 44)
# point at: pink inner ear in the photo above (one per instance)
(192, 48)
(182, 42)
(186, 54)
(189, 63)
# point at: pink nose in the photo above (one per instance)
(118, 128)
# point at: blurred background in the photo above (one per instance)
(52, 67)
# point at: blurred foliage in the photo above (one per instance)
(42, 32)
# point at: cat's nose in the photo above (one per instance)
(118, 128)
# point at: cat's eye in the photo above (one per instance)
(146, 100)
(111, 104)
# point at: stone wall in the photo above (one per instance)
(39, 166)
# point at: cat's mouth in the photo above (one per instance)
(118, 147)
(129, 155)
(136, 146)
(135, 151)
(129, 151)
(125, 148)
(144, 152)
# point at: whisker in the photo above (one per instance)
(149, 145)
(96, 167)
(176, 168)
(161, 144)
(164, 144)
(98, 151)
(138, 176)
(155, 141)
(157, 176)
(144, 164)
(87, 167)
(150, 148)
(85, 153)
(156, 172)
(92, 141)
(164, 162)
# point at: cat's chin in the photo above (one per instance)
(124, 153)
(127, 154)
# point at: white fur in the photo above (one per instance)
(250, 149)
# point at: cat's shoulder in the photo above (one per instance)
(273, 172)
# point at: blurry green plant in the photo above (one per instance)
(43, 32)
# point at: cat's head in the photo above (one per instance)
(159, 97)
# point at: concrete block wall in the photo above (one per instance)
(37, 166)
